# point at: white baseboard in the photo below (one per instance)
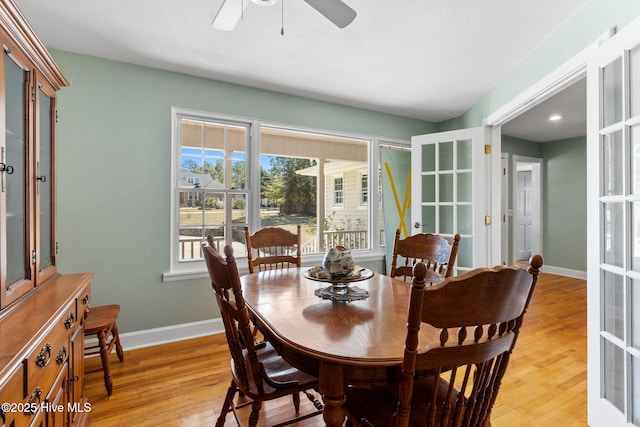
(561, 271)
(173, 333)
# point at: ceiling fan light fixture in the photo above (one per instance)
(265, 2)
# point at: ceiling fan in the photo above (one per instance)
(231, 11)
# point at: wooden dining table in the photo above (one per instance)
(340, 342)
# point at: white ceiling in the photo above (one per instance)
(426, 59)
(570, 104)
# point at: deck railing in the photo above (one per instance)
(190, 247)
(350, 239)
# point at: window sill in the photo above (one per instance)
(308, 261)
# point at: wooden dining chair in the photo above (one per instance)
(436, 252)
(273, 247)
(258, 373)
(453, 382)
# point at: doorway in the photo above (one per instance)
(547, 174)
(527, 207)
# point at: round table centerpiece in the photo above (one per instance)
(339, 269)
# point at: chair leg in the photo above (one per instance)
(116, 338)
(296, 401)
(228, 401)
(104, 356)
(255, 413)
(316, 402)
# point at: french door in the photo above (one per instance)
(450, 191)
(613, 273)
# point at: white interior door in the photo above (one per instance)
(450, 192)
(524, 214)
(613, 273)
(527, 207)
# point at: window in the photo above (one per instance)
(210, 177)
(364, 189)
(232, 172)
(338, 191)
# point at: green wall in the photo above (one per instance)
(564, 239)
(114, 157)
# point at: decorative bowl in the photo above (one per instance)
(338, 262)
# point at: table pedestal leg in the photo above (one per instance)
(331, 385)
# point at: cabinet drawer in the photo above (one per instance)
(83, 302)
(12, 393)
(48, 357)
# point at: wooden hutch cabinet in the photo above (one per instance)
(41, 311)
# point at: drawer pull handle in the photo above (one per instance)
(85, 299)
(62, 356)
(35, 396)
(44, 357)
(70, 321)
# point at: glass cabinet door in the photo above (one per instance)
(44, 161)
(14, 231)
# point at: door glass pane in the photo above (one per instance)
(612, 93)
(613, 374)
(446, 187)
(465, 253)
(464, 219)
(465, 187)
(15, 177)
(429, 188)
(635, 392)
(612, 160)
(613, 233)
(445, 159)
(428, 158)
(634, 159)
(634, 236)
(613, 303)
(45, 181)
(446, 220)
(635, 315)
(464, 154)
(634, 89)
(428, 219)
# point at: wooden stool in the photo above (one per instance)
(101, 321)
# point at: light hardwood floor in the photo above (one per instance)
(184, 383)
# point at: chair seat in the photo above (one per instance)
(283, 377)
(100, 318)
(377, 404)
(101, 321)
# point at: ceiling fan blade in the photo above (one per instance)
(335, 11)
(229, 14)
